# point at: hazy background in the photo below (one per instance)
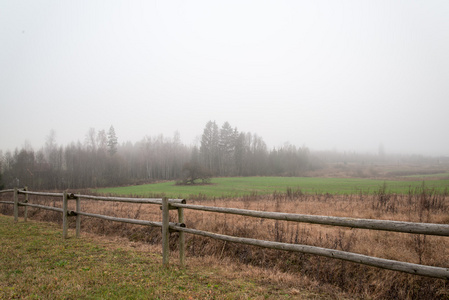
(343, 75)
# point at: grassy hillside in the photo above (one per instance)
(240, 186)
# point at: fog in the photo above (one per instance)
(330, 75)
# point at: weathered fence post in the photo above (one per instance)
(64, 215)
(165, 232)
(182, 239)
(78, 217)
(16, 205)
(25, 214)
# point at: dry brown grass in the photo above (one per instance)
(293, 269)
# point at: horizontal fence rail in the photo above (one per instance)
(126, 220)
(40, 193)
(42, 207)
(180, 227)
(411, 268)
(6, 191)
(129, 200)
(386, 225)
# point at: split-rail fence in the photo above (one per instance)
(180, 204)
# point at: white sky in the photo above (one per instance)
(344, 75)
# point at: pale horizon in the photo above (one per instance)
(344, 76)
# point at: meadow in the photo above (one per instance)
(230, 187)
(401, 200)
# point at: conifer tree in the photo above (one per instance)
(112, 141)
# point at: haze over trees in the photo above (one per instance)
(102, 161)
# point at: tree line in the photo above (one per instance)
(227, 152)
(102, 161)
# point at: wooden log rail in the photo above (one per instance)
(385, 225)
(6, 191)
(416, 269)
(180, 204)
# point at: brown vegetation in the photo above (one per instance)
(358, 280)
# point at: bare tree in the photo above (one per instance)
(102, 140)
(209, 147)
(91, 140)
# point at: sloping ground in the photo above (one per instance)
(36, 263)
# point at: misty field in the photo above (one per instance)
(230, 187)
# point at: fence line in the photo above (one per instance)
(180, 227)
(78, 213)
(24, 191)
(6, 191)
(385, 225)
(411, 268)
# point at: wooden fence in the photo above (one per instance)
(180, 204)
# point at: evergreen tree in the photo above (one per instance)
(112, 141)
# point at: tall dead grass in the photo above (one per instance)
(419, 205)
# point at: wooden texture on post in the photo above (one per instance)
(165, 231)
(78, 217)
(16, 205)
(25, 214)
(65, 223)
(182, 239)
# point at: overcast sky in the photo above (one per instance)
(330, 75)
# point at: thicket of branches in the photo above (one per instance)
(102, 161)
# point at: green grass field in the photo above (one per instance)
(240, 186)
(423, 176)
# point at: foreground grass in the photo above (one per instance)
(35, 263)
(240, 186)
